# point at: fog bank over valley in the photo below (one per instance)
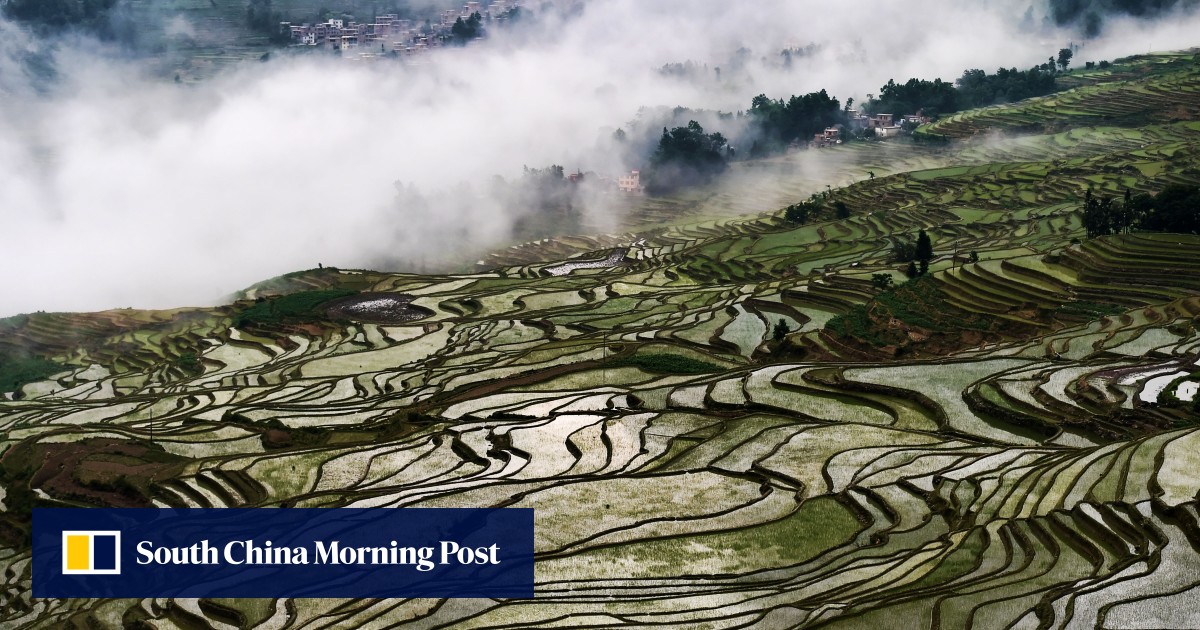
(125, 188)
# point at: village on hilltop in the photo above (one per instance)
(880, 126)
(391, 34)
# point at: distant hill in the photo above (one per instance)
(1091, 14)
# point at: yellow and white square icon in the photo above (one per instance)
(91, 552)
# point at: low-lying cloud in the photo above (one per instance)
(123, 188)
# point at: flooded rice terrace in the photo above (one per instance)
(377, 308)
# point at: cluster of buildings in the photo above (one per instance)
(493, 11)
(631, 183)
(389, 33)
(884, 125)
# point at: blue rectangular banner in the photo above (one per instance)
(283, 552)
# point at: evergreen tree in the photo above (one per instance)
(1127, 211)
(464, 31)
(977, 88)
(686, 156)
(780, 122)
(931, 97)
(1101, 216)
(924, 251)
(797, 213)
(1064, 58)
(1175, 209)
(1089, 214)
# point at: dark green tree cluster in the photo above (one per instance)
(1175, 209)
(19, 370)
(800, 213)
(776, 123)
(780, 122)
(977, 88)
(1103, 216)
(1064, 58)
(932, 97)
(58, 13)
(797, 213)
(666, 364)
(296, 307)
(686, 156)
(259, 15)
(924, 252)
(466, 30)
(190, 363)
(262, 18)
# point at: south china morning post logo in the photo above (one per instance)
(283, 552)
(91, 552)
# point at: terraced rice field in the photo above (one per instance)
(1002, 450)
(1144, 89)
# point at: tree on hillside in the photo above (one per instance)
(882, 281)
(259, 15)
(464, 31)
(977, 88)
(842, 211)
(780, 122)
(1101, 216)
(1175, 209)
(932, 97)
(261, 18)
(1064, 58)
(924, 251)
(781, 330)
(1124, 214)
(686, 156)
(798, 213)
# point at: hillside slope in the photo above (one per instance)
(1002, 443)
